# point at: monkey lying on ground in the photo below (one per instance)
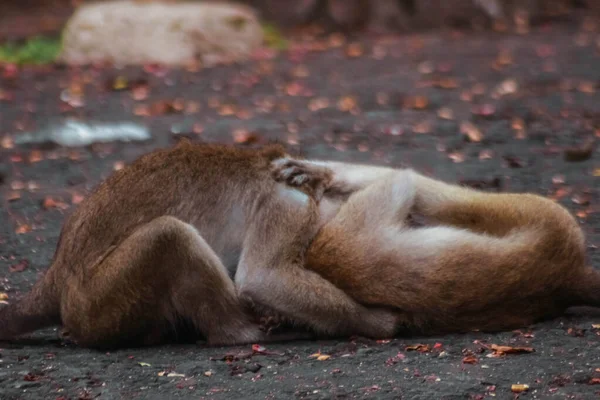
(159, 241)
(495, 261)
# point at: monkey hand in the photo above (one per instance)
(381, 323)
(306, 176)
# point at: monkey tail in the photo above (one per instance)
(36, 310)
(587, 289)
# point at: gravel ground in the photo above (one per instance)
(503, 112)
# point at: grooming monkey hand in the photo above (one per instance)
(310, 178)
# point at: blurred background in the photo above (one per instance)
(23, 18)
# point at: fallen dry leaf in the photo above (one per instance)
(581, 199)
(423, 348)
(142, 110)
(558, 179)
(244, 136)
(319, 356)
(486, 154)
(446, 83)
(77, 198)
(509, 86)
(518, 124)
(426, 67)
(169, 107)
(422, 127)
(50, 203)
(519, 388)
(7, 142)
(514, 162)
(523, 334)
(300, 71)
(394, 360)
(504, 58)
(484, 110)
(587, 87)
(119, 83)
(502, 350)
(140, 90)
(470, 360)
(23, 229)
(560, 193)
(35, 156)
(580, 153)
(13, 195)
(294, 89)
(576, 332)
(582, 214)
(257, 348)
(471, 131)
(347, 103)
(355, 50)
(17, 185)
(446, 113)
(318, 103)
(19, 267)
(457, 156)
(416, 102)
(3, 296)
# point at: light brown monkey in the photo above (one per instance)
(158, 268)
(159, 242)
(495, 261)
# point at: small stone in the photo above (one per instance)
(168, 33)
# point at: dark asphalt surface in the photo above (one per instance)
(533, 103)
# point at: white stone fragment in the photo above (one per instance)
(75, 134)
(128, 32)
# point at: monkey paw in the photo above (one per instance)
(303, 175)
(293, 172)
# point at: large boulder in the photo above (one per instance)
(170, 33)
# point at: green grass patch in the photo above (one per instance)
(37, 50)
(274, 38)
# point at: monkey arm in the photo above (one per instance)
(305, 298)
(271, 273)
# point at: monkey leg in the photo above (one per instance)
(387, 202)
(164, 272)
(496, 214)
(272, 275)
(366, 225)
(361, 249)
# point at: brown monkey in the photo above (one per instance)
(161, 263)
(495, 261)
(159, 242)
